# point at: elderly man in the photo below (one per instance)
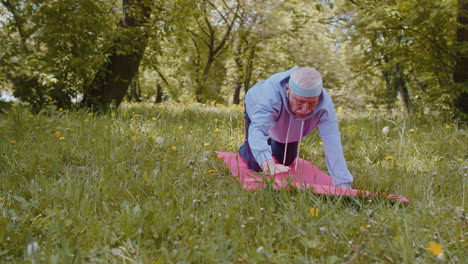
(279, 112)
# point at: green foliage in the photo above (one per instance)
(52, 47)
(412, 41)
(204, 50)
(5, 106)
(143, 184)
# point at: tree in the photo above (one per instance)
(249, 32)
(112, 80)
(407, 45)
(210, 38)
(59, 44)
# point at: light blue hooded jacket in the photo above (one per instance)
(268, 109)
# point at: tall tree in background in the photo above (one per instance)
(49, 48)
(248, 34)
(406, 44)
(211, 36)
(112, 80)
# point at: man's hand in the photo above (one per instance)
(270, 167)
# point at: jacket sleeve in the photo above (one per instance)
(262, 119)
(331, 139)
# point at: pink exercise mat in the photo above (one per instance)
(307, 176)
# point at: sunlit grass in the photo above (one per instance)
(143, 185)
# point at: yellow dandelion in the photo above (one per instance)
(215, 120)
(90, 114)
(174, 148)
(133, 138)
(60, 109)
(448, 126)
(211, 171)
(424, 133)
(93, 140)
(461, 159)
(206, 144)
(412, 130)
(13, 142)
(435, 248)
(30, 115)
(321, 143)
(57, 134)
(314, 211)
(61, 138)
(154, 118)
(452, 140)
(181, 127)
(217, 130)
(302, 144)
(388, 158)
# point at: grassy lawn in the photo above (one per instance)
(144, 185)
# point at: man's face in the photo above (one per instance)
(301, 106)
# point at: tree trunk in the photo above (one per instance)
(249, 68)
(111, 82)
(159, 94)
(135, 89)
(240, 74)
(400, 86)
(390, 92)
(460, 75)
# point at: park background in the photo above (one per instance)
(115, 110)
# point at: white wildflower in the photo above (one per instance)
(385, 130)
(32, 248)
(323, 229)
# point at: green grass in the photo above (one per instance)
(105, 189)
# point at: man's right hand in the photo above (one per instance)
(270, 167)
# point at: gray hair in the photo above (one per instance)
(306, 77)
